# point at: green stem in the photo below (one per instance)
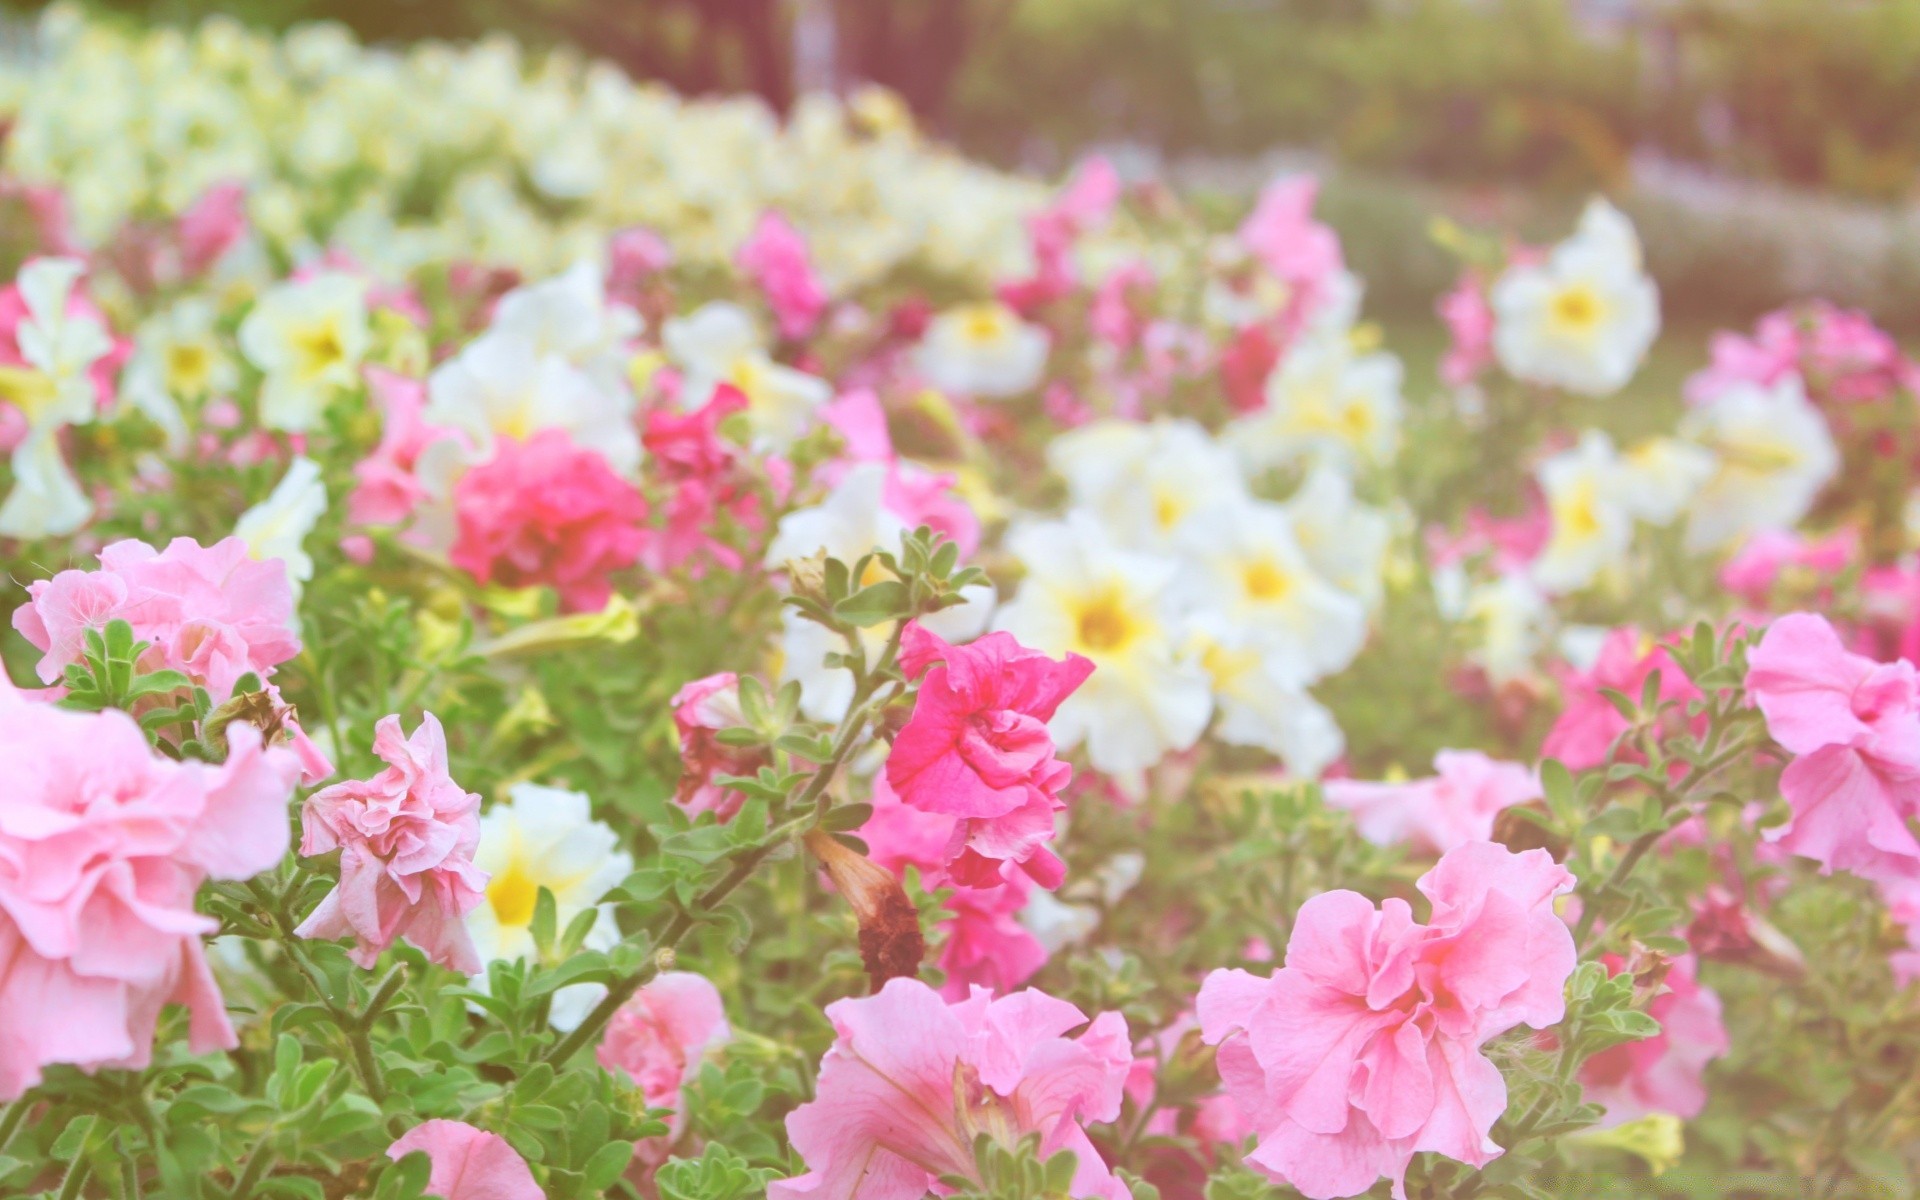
(251, 1174)
(77, 1175)
(384, 994)
(10, 1120)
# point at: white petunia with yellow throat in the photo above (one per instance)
(1583, 318)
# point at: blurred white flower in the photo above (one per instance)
(1583, 318)
(718, 343)
(983, 350)
(277, 526)
(1773, 454)
(1150, 484)
(51, 390)
(307, 336)
(1591, 524)
(1324, 400)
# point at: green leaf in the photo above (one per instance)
(607, 1165)
(844, 817)
(871, 605)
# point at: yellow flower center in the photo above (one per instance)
(318, 349)
(983, 323)
(188, 366)
(513, 894)
(1102, 624)
(28, 390)
(1577, 309)
(1264, 580)
(1577, 514)
(1167, 509)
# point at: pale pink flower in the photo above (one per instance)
(103, 844)
(211, 226)
(1364, 1049)
(657, 1040)
(1085, 202)
(701, 709)
(1455, 806)
(1301, 252)
(1665, 1073)
(1589, 723)
(406, 839)
(1506, 544)
(386, 490)
(468, 1163)
(1771, 554)
(1902, 898)
(1469, 320)
(634, 256)
(774, 257)
(1842, 357)
(548, 511)
(1853, 726)
(977, 748)
(911, 1080)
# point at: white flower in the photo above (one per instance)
(307, 337)
(1344, 540)
(1324, 399)
(545, 837)
(1661, 476)
(501, 385)
(1592, 527)
(1583, 319)
(276, 527)
(982, 350)
(1261, 703)
(178, 357)
(1511, 616)
(51, 390)
(1774, 455)
(569, 315)
(718, 343)
(1248, 568)
(1149, 484)
(1148, 693)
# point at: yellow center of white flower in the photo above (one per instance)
(984, 324)
(317, 349)
(31, 391)
(1168, 508)
(513, 894)
(1265, 580)
(1102, 624)
(1576, 310)
(189, 365)
(1576, 513)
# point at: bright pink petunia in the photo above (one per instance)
(701, 710)
(468, 1163)
(1853, 726)
(1364, 1049)
(774, 257)
(1665, 1073)
(1456, 806)
(977, 748)
(1589, 724)
(548, 511)
(711, 485)
(406, 839)
(103, 844)
(911, 1080)
(1301, 252)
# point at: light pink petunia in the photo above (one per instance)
(911, 1080)
(1664, 1073)
(1589, 724)
(406, 839)
(1469, 320)
(774, 257)
(657, 1041)
(977, 748)
(701, 709)
(468, 1163)
(103, 844)
(386, 489)
(1364, 1049)
(1854, 727)
(1455, 806)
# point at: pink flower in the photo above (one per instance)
(548, 511)
(1469, 321)
(1589, 724)
(1841, 355)
(1902, 897)
(635, 255)
(210, 612)
(658, 1038)
(1085, 202)
(1300, 251)
(916, 495)
(103, 844)
(1364, 1049)
(406, 839)
(386, 490)
(775, 257)
(1853, 726)
(911, 1080)
(712, 487)
(212, 226)
(1664, 1073)
(1454, 807)
(700, 710)
(468, 1163)
(1758, 567)
(977, 748)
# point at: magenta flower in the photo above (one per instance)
(406, 839)
(1364, 1049)
(911, 1081)
(1853, 726)
(701, 710)
(977, 748)
(775, 257)
(548, 511)
(1454, 807)
(103, 844)
(1589, 723)
(468, 1163)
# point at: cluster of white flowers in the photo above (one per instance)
(483, 153)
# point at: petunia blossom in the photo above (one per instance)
(406, 839)
(657, 1041)
(775, 257)
(103, 844)
(912, 1080)
(468, 1163)
(1664, 1073)
(977, 748)
(1455, 806)
(1589, 723)
(1853, 726)
(1364, 1049)
(701, 709)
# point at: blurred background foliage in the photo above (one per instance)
(1765, 147)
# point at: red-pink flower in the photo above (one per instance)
(775, 258)
(468, 1163)
(548, 511)
(657, 1040)
(1665, 1073)
(1364, 1049)
(406, 839)
(1853, 726)
(103, 844)
(1455, 806)
(1589, 724)
(701, 710)
(977, 748)
(711, 486)
(911, 1080)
